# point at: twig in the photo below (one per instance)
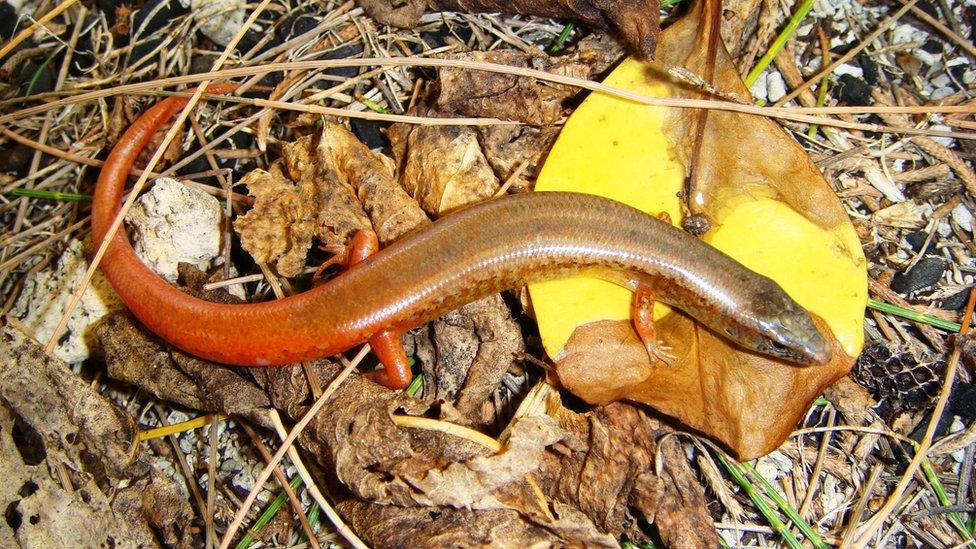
(24, 34)
(794, 114)
(286, 444)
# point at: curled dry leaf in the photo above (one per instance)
(752, 176)
(144, 361)
(604, 467)
(510, 97)
(390, 526)
(445, 169)
(467, 352)
(320, 189)
(636, 21)
(278, 229)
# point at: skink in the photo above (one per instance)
(486, 248)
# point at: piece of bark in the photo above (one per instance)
(637, 22)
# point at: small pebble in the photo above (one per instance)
(963, 217)
(945, 141)
(856, 72)
(854, 91)
(925, 273)
(930, 59)
(776, 86)
(758, 88)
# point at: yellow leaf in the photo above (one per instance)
(613, 148)
(621, 149)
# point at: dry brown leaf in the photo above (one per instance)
(385, 526)
(67, 424)
(464, 354)
(144, 361)
(278, 229)
(748, 402)
(344, 158)
(605, 465)
(444, 168)
(510, 97)
(135, 358)
(328, 186)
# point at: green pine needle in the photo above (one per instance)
(49, 195)
(912, 315)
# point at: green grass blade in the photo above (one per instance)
(269, 512)
(787, 509)
(560, 41)
(780, 41)
(912, 315)
(49, 195)
(760, 503)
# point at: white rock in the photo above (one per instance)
(963, 217)
(856, 72)
(930, 59)
(219, 20)
(46, 295)
(175, 224)
(941, 81)
(880, 181)
(776, 87)
(941, 93)
(945, 141)
(758, 88)
(773, 466)
(943, 228)
(907, 33)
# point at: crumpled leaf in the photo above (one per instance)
(278, 228)
(169, 374)
(465, 353)
(636, 21)
(390, 526)
(605, 467)
(328, 186)
(511, 97)
(753, 176)
(445, 169)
